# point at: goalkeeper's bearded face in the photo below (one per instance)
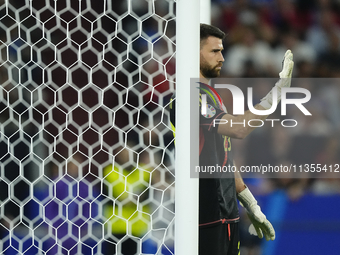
(211, 57)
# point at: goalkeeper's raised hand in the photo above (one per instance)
(285, 81)
(287, 67)
(260, 225)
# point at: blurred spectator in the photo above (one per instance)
(304, 54)
(251, 57)
(324, 35)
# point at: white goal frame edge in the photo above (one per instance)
(187, 143)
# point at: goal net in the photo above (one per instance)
(85, 147)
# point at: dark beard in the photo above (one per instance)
(209, 72)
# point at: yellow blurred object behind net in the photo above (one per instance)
(127, 187)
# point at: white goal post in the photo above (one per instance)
(187, 67)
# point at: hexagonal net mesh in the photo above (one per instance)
(85, 146)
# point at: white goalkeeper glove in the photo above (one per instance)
(285, 81)
(260, 225)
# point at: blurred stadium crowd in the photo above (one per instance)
(258, 34)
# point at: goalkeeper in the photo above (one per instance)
(218, 210)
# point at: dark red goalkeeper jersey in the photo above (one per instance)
(217, 191)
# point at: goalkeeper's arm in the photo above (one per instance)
(260, 225)
(241, 131)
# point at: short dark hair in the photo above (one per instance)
(209, 30)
